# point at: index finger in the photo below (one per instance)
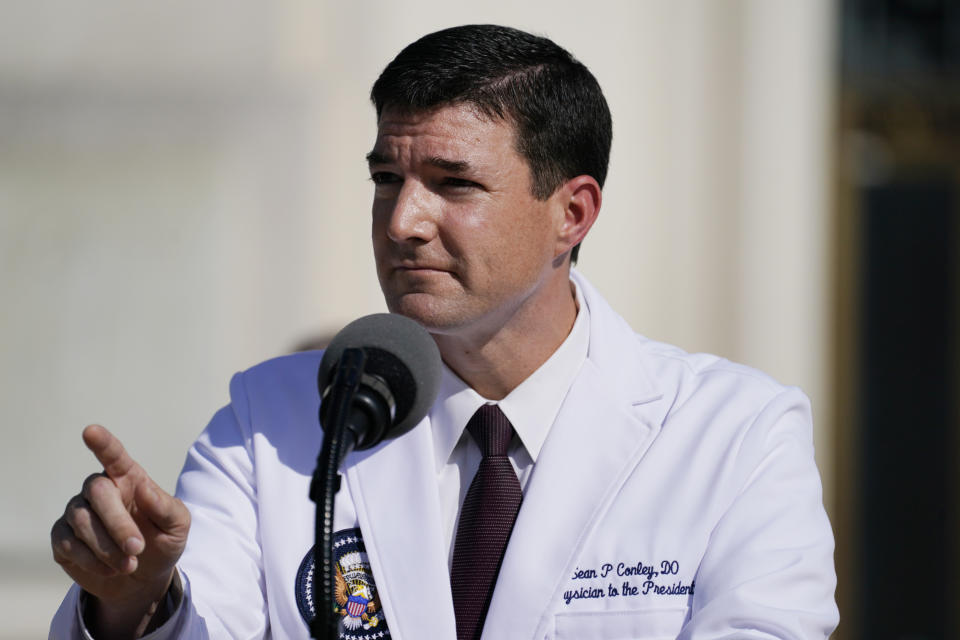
(109, 451)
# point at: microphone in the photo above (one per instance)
(378, 379)
(397, 377)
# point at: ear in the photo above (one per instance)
(580, 199)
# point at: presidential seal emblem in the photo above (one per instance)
(355, 593)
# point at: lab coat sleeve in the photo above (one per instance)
(768, 570)
(222, 565)
(68, 622)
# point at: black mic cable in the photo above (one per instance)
(378, 379)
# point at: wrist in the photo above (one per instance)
(134, 616)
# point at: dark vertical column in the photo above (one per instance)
(908, 407)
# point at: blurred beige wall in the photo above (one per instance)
(183, 193)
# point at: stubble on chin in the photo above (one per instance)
(434, 313)
(437, 303)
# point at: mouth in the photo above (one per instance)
(419, 269)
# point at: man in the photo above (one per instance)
(663, 494)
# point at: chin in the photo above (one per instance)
(434, 315)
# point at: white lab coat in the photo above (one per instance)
(686, 476)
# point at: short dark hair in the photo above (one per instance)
(562, 122)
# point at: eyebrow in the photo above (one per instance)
(375, 157)
(454, 166)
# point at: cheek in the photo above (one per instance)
(534, 237)
(515, 253)
(462, 233)
(379, 214)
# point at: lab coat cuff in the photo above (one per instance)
(173, 604)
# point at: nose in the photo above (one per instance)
(411, 216)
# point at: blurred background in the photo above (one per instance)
(183, 193)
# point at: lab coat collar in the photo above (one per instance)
(609, 336)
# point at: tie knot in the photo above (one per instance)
(491, 429)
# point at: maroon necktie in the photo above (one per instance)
(486, 520)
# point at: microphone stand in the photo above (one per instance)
(338, 441)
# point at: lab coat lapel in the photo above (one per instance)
(593, 445)
(608, 420)
(394, 489)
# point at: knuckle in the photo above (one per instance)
(56, 531)
(96, 486)
(59, 531)
(73, 503)
(89, 479)
(78, 514)
(63, 549)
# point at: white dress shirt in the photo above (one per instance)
(531, 408)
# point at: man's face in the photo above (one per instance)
(461, 244)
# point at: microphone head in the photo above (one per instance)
(399, 351)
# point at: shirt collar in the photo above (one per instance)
(531, 407)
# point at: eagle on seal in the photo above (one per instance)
(357, 602)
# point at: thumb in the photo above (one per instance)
(167, 513)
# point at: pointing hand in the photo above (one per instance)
(120, 538)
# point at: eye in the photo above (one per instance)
(459, 183)
(384, 177)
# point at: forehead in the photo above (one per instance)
(459, 128)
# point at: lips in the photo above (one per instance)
(422, 274)
(420, 268)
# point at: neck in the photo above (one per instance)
(495, 362)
